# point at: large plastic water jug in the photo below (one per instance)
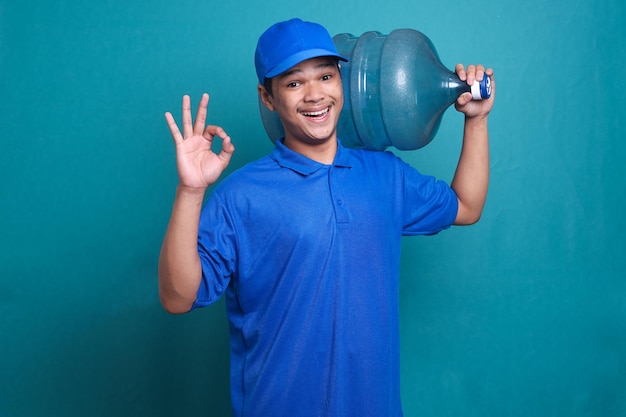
(395, 91)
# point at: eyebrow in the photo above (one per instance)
(295, 70)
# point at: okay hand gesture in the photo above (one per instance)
(198, 166)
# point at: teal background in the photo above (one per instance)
(523, 314)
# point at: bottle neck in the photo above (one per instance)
(480, 90)
(457, 86)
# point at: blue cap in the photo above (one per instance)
(286, 44)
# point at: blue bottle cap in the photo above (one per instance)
(481, 90)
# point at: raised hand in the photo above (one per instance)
(198, 166)
(465, 104)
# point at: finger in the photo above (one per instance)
(198, 126)
(212, 131)
(463, 100)
(471, 74)
(480, 72)
(460, 71)
(173, 128)
(227, 147)
(187, 129)
(227, 151)
(489, 72)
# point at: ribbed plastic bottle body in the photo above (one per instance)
(395, 91)
(361, 123)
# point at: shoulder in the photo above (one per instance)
(250, 172)
(369, 159)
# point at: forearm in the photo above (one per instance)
(471, 178)
(180, 270)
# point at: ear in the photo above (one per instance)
(265, 97)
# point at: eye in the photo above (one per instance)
(293, 84)
(326, 77)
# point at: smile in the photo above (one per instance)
(316, 114)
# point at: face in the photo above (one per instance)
(308, 99)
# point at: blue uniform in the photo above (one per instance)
(308, 257)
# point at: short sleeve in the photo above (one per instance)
(217, 249)
(430, 205)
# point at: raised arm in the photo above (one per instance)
(198, 166)
(471, 178)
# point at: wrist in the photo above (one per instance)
(479, 119)
(476, 124)
(190, 193)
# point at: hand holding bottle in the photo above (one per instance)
(473, 75)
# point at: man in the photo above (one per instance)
(305, 242)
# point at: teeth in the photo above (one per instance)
(316, 113)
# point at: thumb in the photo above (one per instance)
(462, 101)
(227, 150)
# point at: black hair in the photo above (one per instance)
(268, 86)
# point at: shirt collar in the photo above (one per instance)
(288, 158)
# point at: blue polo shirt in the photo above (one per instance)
(308, 257)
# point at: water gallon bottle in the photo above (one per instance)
(395, 91)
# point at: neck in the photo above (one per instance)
(324, 152)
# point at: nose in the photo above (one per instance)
(313, 92)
